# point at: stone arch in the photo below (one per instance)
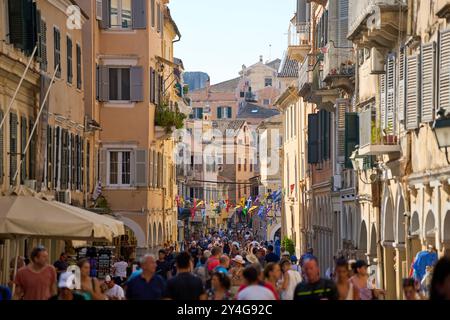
(363, 237)
(400, 222)
(415, 223)
(373, 241)
(137, 230)
(430, 225)
(274, 231)
(446, 227)
(387, 224)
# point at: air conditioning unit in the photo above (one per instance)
(31, 184)
(63, 197)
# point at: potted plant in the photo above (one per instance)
(389, 138)
(167, 119)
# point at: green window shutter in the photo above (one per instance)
(219, 112)
(313, 138)
(137, 84)
(23, 143)
(369, 162)
(351, 136)
(69, 60)
(57, 50)
(32, 152)
(12, 146)
(21, 22)
(229, 112)
(79, 81)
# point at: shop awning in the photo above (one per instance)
(29, 216)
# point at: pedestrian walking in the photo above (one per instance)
(272, 275)
(120, 271)
(360, 280)
(220, 287)
(61, 264)
(314, 287)
(113, 290)
(236, 274)
(185, 286)
(271, 256)
(149, 285)
(90, 286)
(253, 289)
(290, 280)
(346, 289)
(36, 281)
(66, 287)
(440, 284)
(162, 265)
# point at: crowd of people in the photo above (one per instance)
(218, 266)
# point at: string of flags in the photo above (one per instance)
(262, 205)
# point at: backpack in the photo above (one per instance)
(5, 294)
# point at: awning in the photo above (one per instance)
(29, 216)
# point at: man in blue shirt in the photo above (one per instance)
(149, 285)
(270, 256)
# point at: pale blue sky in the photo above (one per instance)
(219, 36)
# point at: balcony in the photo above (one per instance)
(298, 41)
(376, 23)
(338, 68)
(372, 140)
(305, 76)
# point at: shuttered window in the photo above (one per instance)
(401, 85)
(2, 173)
(428, 63)
(119, 168)
(343, 24)
(57, 157)
(49, 157)
(313, 138)
(32, 152)
(137, 84)
(120, 13)
(158, 13)
(324, 124)
(141, 168)
(79, 67)
(21, 27)
(121, 84)
(69, 60)
(12, 147)
(444, 70)
(88, 166)
(351, 136)
(139, 12)
(219, 112)
(152, 85)
(412, 94)
(389, 123)
(382, 78)
(23, 143)
(342, 109)
(153, 13)
(73, 161)
(41, 26)
(57, 50)
(105, 22)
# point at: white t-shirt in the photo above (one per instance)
(294, 279)
(115, 292)
(121, 269)
(255, 292)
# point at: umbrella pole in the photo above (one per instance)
(16, 258)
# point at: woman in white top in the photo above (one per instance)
(289, 281)
(346, 289)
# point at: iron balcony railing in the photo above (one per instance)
(338, 61)
(298, 35)
(305, 73)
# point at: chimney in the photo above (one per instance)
(261, 58)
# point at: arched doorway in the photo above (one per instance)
(401, 221)
(388, 221)
(414, 230)
(363, 239)
(373, 242)
(446, 233)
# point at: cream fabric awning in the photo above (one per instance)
(26, 215)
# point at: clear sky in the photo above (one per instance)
(219, 36)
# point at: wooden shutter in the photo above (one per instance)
(79, 67)
(32, 152)
(444, 70)
(103, 163)
(49, 156)
(219, 112)
(229, 112)
(69, 60)
(141, 167)
(401, 85)
(342, 109)
(103, 80)
(428, 61)
(155, 169)
(351, 136)
(139, 13)
(2, 173)
(57, 157)
(313, 138)
(57, 50)
(12, 146)
(342, 24)
(152, 85)
(412, 94)
(390, 95)
(150, 165)
(137, 84)
(164, 167)
(325, 135)
(105, 23)
(383, 99)
(99, 9)
(301, 11)
(23, 143)
(158, 13)
(21, 32)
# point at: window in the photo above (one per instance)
(119, 84)
(69, 60)
(268, 82)
(242, 95)
(197, 113)
(119, 168)
(266, 102)
(78, 66)
(245, 164)
(224, 112)
(251, 167)
(120, 14)
(57, 50)
(12, 146)
(239, 165)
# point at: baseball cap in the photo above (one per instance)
(67, 280)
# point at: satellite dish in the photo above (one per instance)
(75, 270)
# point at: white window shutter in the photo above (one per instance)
(390, 96)
(428, 81)
(342, 108)
(343, 24)
(401, 85)
(141, 167)
(164, 160)
(383, 99)
(412, 95)
(444, 70)
(151, 168)
(155, 169)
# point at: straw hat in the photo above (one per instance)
(252, 258)
(239, 259)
